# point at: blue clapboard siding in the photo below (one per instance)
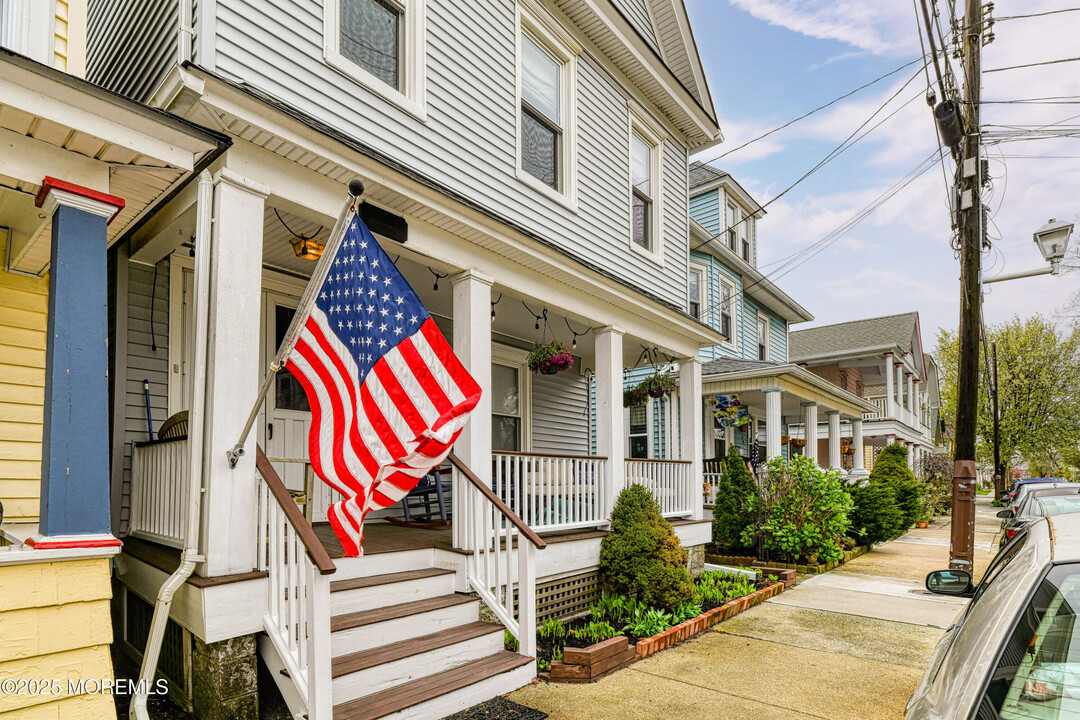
(467, 145)
(131, 44)
(705, 208)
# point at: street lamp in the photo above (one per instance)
(1052, 239)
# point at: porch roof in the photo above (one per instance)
(56, 124)
(735, 375)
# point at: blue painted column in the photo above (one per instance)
(75, 440)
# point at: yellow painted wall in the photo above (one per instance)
(69, 29)
(23, 314)
(56, 627)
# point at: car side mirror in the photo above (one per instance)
(1005, 514)
(950, 582)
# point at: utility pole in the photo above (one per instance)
(962, 549)
(999, 472)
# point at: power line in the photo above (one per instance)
(1038, 14)
(818, 108)
(1029, 65)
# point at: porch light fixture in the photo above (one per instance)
(307, 249)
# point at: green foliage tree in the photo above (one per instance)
(890, 502)
(891, 467)
(641, 555)
(1038, 389)
(805, 510)
(875, 516)
(733, 510)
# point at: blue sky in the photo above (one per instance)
(768, 61)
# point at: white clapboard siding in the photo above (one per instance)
(560, 414)
(637, 13)
(131, 44)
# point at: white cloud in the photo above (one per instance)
(875, 27)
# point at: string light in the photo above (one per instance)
(493, 304)
(438, 277)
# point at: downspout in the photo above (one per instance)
(185, 32)
(190, 555)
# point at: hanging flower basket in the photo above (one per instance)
(660, 385)
(550, 358)
(635, 396)
(798, 442)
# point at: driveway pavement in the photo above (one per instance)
(850, 644)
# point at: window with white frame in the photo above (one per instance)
(506, 402)
(762, 337)
(731, 224)
(697, 291)
(744, 238)
(546, 102)
(727, 312)
(638, 427)
(380, 44)
(644, 191)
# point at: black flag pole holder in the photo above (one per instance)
(356, 191)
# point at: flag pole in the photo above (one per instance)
(356, 190)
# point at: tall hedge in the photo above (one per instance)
(733, 509)
(890, 502)
(641, 555)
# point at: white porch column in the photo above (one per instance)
(774, 397)
(472, 345)
(858, 469)
(917, 400)
(690, 428)
(913, 449)
(899, 388)
(610, 434)
(233, 373)
(834, 438)
(810, 423)
(890, 388)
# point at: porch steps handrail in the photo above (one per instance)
(504, 585)
(298, 567)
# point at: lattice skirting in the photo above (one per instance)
(174, 663)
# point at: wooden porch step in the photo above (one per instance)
(393, 612)
(405, 696)
(365, 659)
(376, 580)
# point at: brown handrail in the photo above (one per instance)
(494, 499)
(518, 453)
(304, 531)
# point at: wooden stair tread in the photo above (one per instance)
(383, 654)
(393, 612)
(375, 580)
(413, 693)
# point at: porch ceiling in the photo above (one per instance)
(53, 124)
(318, 162)
(799, 386)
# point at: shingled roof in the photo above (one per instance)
(702, 174)
(726, 365)
(871, 333)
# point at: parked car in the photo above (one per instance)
(1011, 653)
(1040, 501)
(1027, 481)
(1023, 491)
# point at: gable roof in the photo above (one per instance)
(702, 174)
(878, 333)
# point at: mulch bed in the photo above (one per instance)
(498, 709)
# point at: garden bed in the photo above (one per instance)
(587, 664)
(754, 564)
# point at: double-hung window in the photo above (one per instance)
(639, 432)
(645, 146)
(696, 293)
(744, 238)
(546, 88)
(506, 420)
(732, 227)
(727, 299)
(762, 337)
(380, 44)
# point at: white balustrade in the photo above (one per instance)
(159, 478)
(710, 487)
(551, 492)
(669, 482)
(298, 603)
(881, 409)
(503, 576)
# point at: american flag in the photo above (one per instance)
(388, 396)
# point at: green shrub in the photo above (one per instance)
(804, 510)
(641, 555)
(892, 500)
(875, 516)
(733, 510)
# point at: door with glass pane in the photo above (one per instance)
(506, 419)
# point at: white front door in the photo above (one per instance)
(287, 415)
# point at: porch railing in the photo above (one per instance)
(551, 492)
(710, 487)
(881, 409)
(159, 478)
(298, 569)
(669, 482)
(504, 580)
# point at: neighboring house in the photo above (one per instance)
(526, 167)
(751, 365)
(882, 360)
(80, 169)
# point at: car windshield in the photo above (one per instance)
(1038, 675)
(1055, 505)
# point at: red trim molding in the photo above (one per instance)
(46, 544)
(50, 183)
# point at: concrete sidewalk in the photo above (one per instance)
(847, 645)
